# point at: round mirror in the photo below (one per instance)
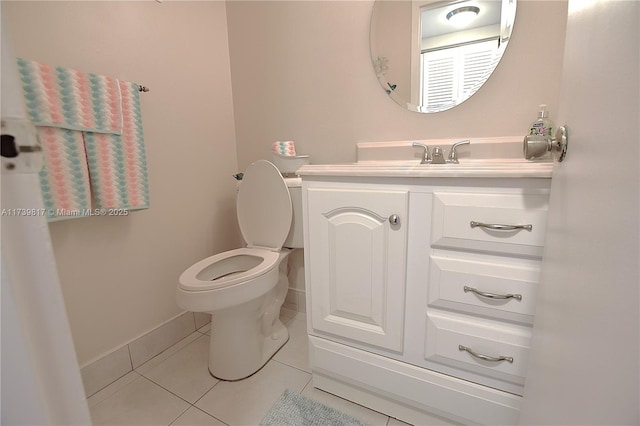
(430, 56)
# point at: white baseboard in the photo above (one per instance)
(295, 300)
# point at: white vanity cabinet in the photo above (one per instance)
(421, 291)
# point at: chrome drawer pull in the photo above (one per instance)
(498, 227)
(492, 295)
(485, 357)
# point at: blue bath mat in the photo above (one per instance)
(293, 409)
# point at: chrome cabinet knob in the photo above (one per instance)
(394, 219)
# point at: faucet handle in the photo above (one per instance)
(426, 155)
(453, 154)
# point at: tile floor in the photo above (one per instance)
(175, 388)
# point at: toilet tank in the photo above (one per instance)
(295, 238)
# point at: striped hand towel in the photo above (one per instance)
(70, 99)
(117, 164)
(64, 179)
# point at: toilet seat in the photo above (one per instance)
(227, 269)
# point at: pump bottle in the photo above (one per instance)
(543, 126)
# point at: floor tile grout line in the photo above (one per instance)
(190, 404)
(165, 389)
(202, 411)
(210, 415)
(119, 390)
(130, 356)
(307, 384)
(175, 394)
(210, 389)
(180, 415)
(288, 365)
(195, 325)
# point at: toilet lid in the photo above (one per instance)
(264, 206)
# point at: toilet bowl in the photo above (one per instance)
(244, 289)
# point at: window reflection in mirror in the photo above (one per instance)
(426, 60)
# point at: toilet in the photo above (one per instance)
(243, 289)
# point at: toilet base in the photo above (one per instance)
(271, 345)
(247, 356)
(245, 337)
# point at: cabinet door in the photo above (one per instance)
(357, 262)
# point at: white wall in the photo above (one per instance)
(301, 70)
(119, 275)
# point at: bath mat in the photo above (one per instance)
(296, 410)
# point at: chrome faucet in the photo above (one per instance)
(438, 154)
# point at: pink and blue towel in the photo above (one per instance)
(70, 99)
(117, 164)
(64, 179)
(285, 148)
(90, 127)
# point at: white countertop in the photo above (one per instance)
(486, 168)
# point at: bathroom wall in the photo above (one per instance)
(119, 274)
(301, 70)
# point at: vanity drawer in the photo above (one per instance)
(447, 336)
(465, 221)
(490, 288)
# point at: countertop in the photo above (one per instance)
(486, 168)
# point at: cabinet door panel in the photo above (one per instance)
(357, 264)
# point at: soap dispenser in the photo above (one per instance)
(543, 126)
